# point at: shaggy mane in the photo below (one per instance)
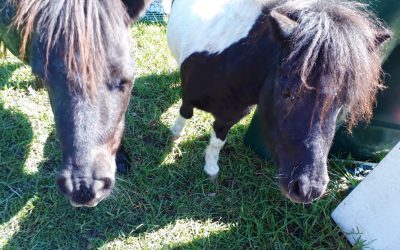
(336, 42)
(83, 27)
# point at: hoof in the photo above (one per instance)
(175, 135)
(212, 171)
(176, 139)
(213, 178)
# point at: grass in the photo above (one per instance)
(166, 201)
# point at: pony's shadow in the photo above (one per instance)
(15, 139)
(156, 193)
(17, 186)
(6, 71)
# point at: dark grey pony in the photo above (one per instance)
(308, 64)
(82, 51)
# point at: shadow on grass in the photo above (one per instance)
(146, 201)
(214, 241)
(15, 139)
(6, 71)
(160, 191)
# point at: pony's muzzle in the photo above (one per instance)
(304, 189)
(85, 193)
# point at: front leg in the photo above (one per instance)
(185, 113)
(178, 126)
(217, 141)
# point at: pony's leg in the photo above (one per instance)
(217, 141)
(185, 113)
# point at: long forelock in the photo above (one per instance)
(83, 27)
(335, 41)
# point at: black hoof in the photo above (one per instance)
(123, 162)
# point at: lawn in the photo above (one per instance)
(166, 201)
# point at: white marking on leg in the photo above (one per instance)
(177, 128)
(212, 155)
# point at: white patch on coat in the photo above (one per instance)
(209, 25)
(177, 128)
(212, 155)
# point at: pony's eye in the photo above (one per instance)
(107, 183)
(123, 83)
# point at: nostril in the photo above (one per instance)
(61, 182)
(295, 188)
(300, 191)
(304, 192)
(314, 193)
(107, 183)
(83, 195)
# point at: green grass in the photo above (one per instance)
(166, 201)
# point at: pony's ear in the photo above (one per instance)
(382, 36)
(136, 8)
(282, 26)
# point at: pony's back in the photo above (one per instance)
(209, 25)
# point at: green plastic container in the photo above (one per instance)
(383, 133)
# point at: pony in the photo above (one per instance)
(308, 65)
(81, 49)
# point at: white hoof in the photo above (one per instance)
(212, 170)
(176, 133)
(177, 128)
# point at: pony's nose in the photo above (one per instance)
(83, 195)
(63, 185)
(88, 192)
(303, 190)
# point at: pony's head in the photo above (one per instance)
(82, 49)
(329, 72)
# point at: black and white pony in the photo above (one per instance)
(82, 51)
(307, 64)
